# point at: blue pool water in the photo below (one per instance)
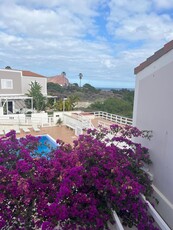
(46, 145)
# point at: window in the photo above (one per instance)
(6, 84)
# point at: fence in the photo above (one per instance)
(114, 118)
(77, 123)
(40, 119)
(158, 219)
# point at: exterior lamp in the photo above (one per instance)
(64, 99)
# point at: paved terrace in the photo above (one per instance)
(60, 132)
(56, 132)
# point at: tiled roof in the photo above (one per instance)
(167, 47)
(31, 74)
(59, 79)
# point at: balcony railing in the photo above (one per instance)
(158, 219)
(114, 118)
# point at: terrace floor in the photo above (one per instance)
(60, 132)
(56, 132)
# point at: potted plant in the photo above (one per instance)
(59, 122)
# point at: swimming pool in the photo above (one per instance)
(46, 145)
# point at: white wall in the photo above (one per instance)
(1, 111)
(60, 115)
(153, 110)
(39, 118)
(12, 119)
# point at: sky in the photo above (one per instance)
(102, 39)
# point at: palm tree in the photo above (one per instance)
(38, 98)
(63, 73)
(8, 67)
(80, 77)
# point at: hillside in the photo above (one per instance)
(90, 99)
(85, 93)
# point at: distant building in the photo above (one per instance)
(153, 110)
(61, 79)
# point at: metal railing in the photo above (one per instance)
(113, 118)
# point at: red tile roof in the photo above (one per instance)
(59, 79)
(167, 47)
(31, 74)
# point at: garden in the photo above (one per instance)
(75, 186)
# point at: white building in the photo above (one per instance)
(17, 82)
(153, 110)
(14, 84)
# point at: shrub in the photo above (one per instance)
(75, 187)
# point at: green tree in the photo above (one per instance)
(73, 99)
(58, 105)
(53, 88)
(38, 98)
(68, 104)
(115, 106)
(89, 88)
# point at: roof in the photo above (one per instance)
(59, 79)
(167, 47)
(31, 74)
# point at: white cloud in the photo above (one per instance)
(145, 27)
(135, 21)
(50, 36)
(42, 22)
(163, 4)
(122, 8)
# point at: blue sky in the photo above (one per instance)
(102, 39)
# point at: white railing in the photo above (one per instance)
(43, 119)
(161, 223)
(77, 123)
(27, 120)
(12, 119)
(81, 122)
(118, 225)
(158, 219)
(114, 118)
(71, 122)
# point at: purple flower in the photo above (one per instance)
(78, 185)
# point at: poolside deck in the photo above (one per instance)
(56, 132)
(63, 132)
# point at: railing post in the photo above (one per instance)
(117, 221)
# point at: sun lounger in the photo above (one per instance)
(1, 132)
(16, 128)
(26, 130)
(6, 130)
(36, 129)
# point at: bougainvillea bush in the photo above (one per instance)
(75, 187)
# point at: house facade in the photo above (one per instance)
(14, 84)
(153, 110)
